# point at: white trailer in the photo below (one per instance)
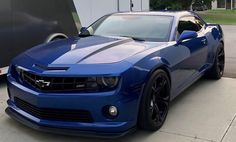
(90, 10)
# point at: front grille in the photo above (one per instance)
(54, 114)
(58, 84)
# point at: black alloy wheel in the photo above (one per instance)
(155, 102)
(221, 61)
(217, 70)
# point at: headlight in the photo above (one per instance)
(103, 83)
(110, 81)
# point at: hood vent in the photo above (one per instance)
(43, 67)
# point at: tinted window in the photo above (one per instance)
(199, 23)
(190, 24)
(151, 28)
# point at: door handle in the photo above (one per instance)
(204, 41)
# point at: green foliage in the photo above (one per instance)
(206, 2)
(175, 4)
(159, 4)
(223, 17)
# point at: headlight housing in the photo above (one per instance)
(103, 83)
(109, 81)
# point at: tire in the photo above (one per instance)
(155, 101)
(217, 70)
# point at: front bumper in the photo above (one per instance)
(101, 127)
(72, 132)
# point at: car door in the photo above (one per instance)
(197, 46)
(192, 64)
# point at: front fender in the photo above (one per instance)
(138, 76)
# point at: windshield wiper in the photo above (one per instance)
(135, 38)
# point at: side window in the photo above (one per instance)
(199, 23)
(189, 23)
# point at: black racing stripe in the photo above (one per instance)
(106, 47)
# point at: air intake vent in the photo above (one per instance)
(54, 114)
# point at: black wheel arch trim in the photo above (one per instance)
(163, 67)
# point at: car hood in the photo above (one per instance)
(88, 50)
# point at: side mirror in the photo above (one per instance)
(187, 35)
(84, 32)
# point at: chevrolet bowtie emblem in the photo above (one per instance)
(42, 83)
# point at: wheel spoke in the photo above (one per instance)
(155, 108)
(220, 65)
(155, 88)
(152, 104)
(221, 61)
(154, 98)
(221, 53)
(162, 98)
(162, 82)
(162, 114)
(159, 100)
(155, 114)
(158, 87)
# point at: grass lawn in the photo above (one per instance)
(223, 17)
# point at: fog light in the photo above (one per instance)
(113, 111)
(110, 112)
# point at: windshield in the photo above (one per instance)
(145, 27)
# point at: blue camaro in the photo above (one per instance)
(119, 74)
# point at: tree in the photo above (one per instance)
(159, 4)
(175, 4)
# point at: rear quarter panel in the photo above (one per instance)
(215, 37)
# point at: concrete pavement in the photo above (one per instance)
(203, 113)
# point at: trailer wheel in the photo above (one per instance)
(55, 37)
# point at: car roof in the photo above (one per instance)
(158, 13)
